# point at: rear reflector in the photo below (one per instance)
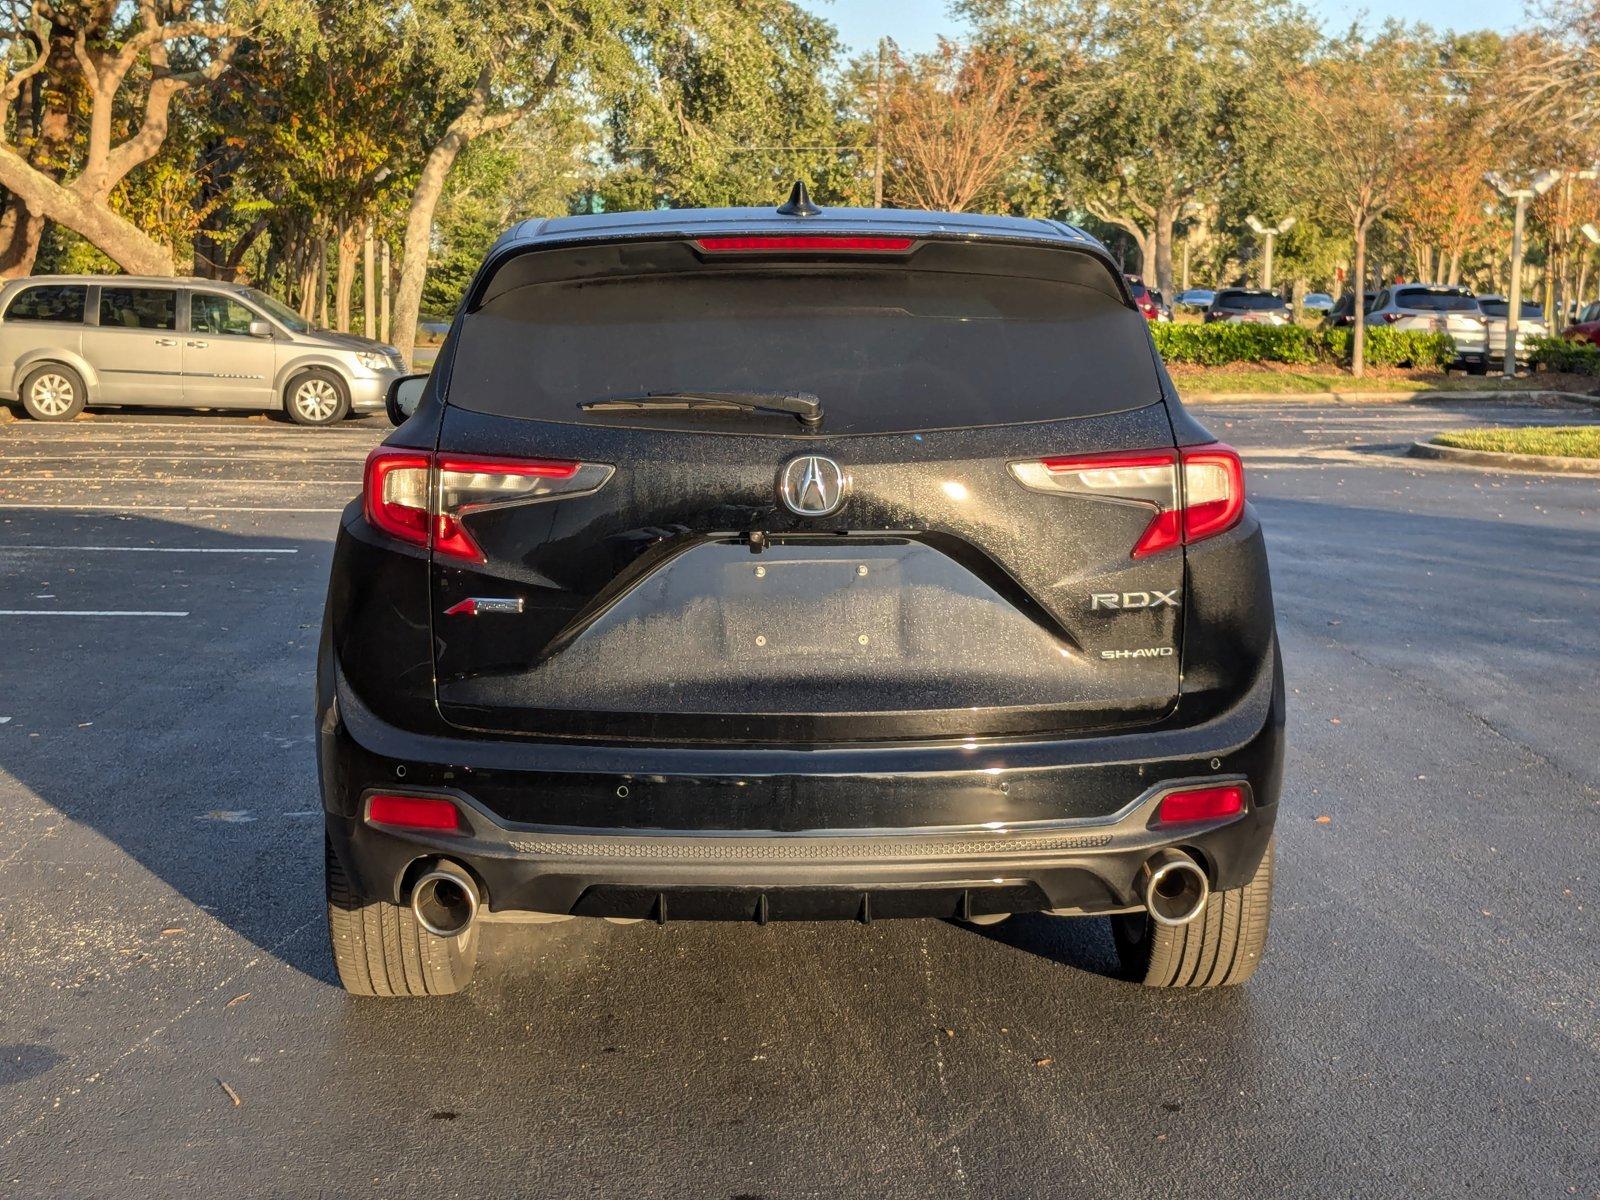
(414, 812)
(421, 498)
(805, 245)
(1205, 499)
(1201, 804)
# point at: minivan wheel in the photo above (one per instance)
(381, 950)
(1219, 948)
(317, 398)
(53, 392)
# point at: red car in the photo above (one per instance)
(1142, 298)
(1587, 327)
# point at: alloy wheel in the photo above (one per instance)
(52, 394)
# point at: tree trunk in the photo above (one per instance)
(20, 231)
(120, 240)
(1358, 333)
(368, 313)
(322, 282)
(345, 275)
(387, 282)
(419, 231)
(1455, 268)
(1166, 218)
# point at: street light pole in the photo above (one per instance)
(1537, 186)
(1269, 234)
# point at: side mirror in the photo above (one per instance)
(403, 396)
(260, 328)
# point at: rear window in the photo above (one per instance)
(49, 302)
(1422, 300)
(1502, 309)
(885, 348)
(1249, 301)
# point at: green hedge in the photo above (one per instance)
(1216, 345)
(1558, 354)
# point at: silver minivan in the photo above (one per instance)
(70, 341)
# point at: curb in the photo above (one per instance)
(1386, 397)
(1540, 463)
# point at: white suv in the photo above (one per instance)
(1434, 308)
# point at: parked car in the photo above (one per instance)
(1530, 325)
(1248, 306)
(652, 611)
(1317, 302)
(72, 341)
(1195, 298)
(1343, 313)
(1587, 327)
(1143, 299)
(1438, 308)
(1163, 309)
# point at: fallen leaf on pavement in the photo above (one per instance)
(1324, 820)
(239, 999)
(232, 1095)
(1043, 1062)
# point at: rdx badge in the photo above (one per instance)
(1122, 601)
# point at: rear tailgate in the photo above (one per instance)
(666, 590)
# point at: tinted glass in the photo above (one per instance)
(884, 349)
(138, 308)
(209, 313)
(1502, 308)
(1249, 301)
(287, 317)
(49, 302)
(1422, 300)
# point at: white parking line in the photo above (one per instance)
(151, 549)
(85, 612)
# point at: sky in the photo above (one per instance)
(916, 24)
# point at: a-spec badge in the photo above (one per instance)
(812, 486)
(481, 606)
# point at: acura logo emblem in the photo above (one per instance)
(812, 486)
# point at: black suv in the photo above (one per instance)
(772, 564)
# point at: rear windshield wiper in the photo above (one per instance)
(802, 405)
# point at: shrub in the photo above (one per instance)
(1559, 354)
(1216, 345)
(1394, 347)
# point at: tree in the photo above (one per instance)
(1145, 98)
(730, 104)
(126, 59)
(1365, 109)
(959, 120)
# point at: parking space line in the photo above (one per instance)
(87, 612)
(151, 549)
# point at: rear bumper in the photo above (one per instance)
(673, 833)
(367, 392)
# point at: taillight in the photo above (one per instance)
(414, 812)
(423, 498)
(820, 244)
(1205, 500)
(1392, 317)
(1201, 804)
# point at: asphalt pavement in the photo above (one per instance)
(1426, 1021)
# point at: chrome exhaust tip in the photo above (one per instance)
(1174, 888)
(445, 900)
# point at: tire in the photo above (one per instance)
(316, 398)
(1220, 948)
(381, 950)
(52, 392)
(1481, 368)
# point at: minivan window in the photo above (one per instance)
(49, 302)
(1423, 300)
(884, 349)
(281, 313)
(211, 313)
(1502, 308)
(138, 308)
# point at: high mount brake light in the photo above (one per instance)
(421, 498)
(1204, 499)
(820, 244)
